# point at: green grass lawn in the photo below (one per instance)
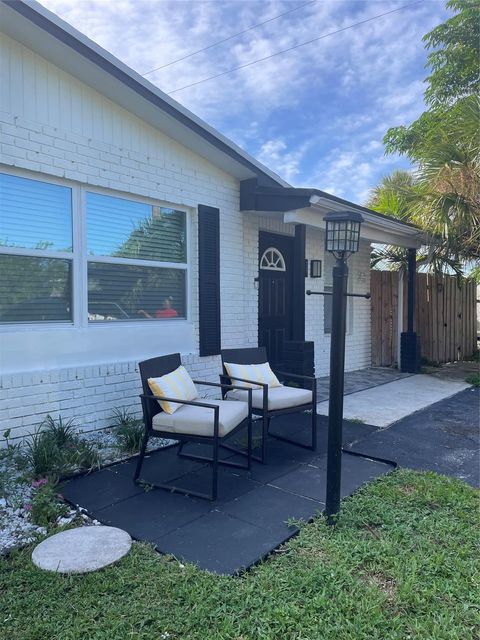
(402, 563)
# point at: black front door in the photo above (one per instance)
(275, 294)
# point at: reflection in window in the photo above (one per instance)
(35, 215)
(35, 245)
(123, 228)
(35, 289)
(37, 250)
(127, 292)
(121, 235)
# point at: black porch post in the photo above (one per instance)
(299, 355)
(298, 295)
(410, 342)
(412, 277)
(335, 405)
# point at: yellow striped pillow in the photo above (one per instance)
(177, 384)
(257, 372)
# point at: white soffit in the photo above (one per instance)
(374, 228)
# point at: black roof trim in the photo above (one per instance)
(84, 50)
(258, 198)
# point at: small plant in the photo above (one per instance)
(430, 363)
(56, 449)
(43, 455)
(45, 506)
(12, 452)
(296, 522)
(62, 432)
(473, 379)
(6, 436)
(129, 430)
(356, 420)
(86, 456)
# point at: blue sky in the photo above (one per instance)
(315, 115)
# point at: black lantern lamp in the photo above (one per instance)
(342, 235)
(342, 238)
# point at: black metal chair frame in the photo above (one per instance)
(258, 355)
(155, 367)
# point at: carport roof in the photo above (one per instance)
(309, 206)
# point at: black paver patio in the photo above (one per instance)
(254, 511)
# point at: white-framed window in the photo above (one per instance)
(137, 259)
(36, 251)
(74, 254)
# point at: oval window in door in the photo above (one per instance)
(272, 260)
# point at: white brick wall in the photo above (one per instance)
(85, 138)
(357, 349)
(89, 394)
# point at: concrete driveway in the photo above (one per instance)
(386, 402)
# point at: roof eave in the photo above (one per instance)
(308, 206)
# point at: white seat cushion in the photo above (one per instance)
(198, 421)
(278, 397)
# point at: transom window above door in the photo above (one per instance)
(272, 260)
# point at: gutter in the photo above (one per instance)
(378, 220)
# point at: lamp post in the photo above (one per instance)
(342, 238)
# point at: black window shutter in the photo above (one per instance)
(209, 280)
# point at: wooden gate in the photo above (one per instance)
(445, 317)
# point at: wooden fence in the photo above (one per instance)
(445, 317)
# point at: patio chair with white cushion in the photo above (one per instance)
(249, 369)
(171, 410)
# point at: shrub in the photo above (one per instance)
(44, 456)
(128, 430)
(56, 449)
(12, 452)
(62, 433)
(45, 506)
(13, 472)
(473, 379)
(430, 363)
(86, 456)
(475, 357)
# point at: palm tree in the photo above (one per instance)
(441, 195)
(448, 179)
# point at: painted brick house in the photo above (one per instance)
(130, 228)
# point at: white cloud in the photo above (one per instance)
(317, 114)
(330, 174)
(275, 154)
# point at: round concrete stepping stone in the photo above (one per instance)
(82, 550)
